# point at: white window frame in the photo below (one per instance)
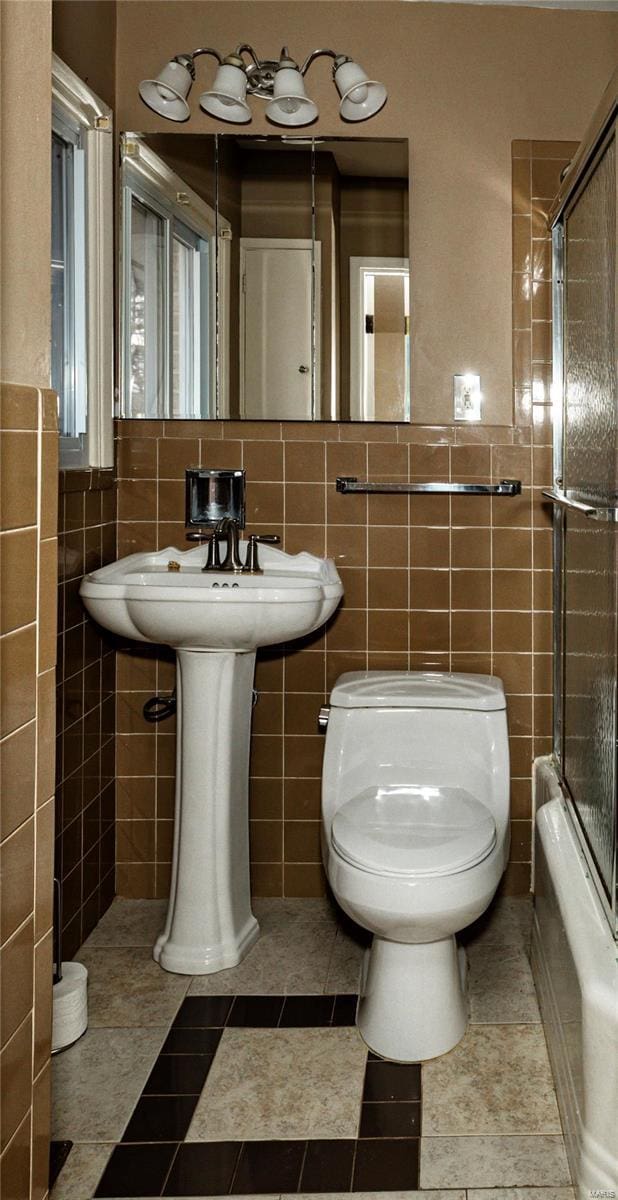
(76, 108)
(149, 180)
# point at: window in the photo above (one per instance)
(81, 270)
(169, 286)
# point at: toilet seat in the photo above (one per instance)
(413, 831)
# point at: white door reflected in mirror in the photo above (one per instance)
(279, 333)
(379, 339)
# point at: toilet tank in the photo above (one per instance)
(417, 728)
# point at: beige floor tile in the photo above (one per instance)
(493, 1162)
(500, 985)
(524, 1193)
(507, 922)
(428, 1195)
(347, 959)
(307, 912)
(282, 1083)
(128, 989)
(81, 1172)
(97, 1082)
(496, 1081)
(129, 923)
(292, 954)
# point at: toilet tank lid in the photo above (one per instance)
(418, 689)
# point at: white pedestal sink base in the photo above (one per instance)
(218, 619)
(209, 923)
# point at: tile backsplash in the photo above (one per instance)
(28, 471)
(86, 710)
(457, 583)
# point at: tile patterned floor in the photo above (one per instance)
(257, 1102)
(254, 1081)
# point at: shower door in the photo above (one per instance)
(585, 494)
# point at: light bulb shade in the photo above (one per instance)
(290, 104)
(167, 94)
(360, 97)
(226, 99)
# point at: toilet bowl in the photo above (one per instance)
(415, 838)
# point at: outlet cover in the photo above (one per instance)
(467, 397)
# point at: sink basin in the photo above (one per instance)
(215, 622)
(140, 597)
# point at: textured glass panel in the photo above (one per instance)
(589, 682)
(590, 547)
(589, 337)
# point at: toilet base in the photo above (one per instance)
(413, 1003)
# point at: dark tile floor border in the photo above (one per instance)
(153, 1159)
(58, 1154)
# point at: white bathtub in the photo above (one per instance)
(575, 972)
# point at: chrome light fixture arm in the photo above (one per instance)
(324, 52)
(202, 50)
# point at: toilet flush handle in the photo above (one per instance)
(323, 716)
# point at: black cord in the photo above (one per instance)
(159, 708)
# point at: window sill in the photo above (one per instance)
(86, 479)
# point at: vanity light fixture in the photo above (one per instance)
(281, 83)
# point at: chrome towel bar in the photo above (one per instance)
(595, 512)
(506, 487)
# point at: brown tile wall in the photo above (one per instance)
(86, 710)
(430, 582)
(537, 167)
(28, 556)
(459, 583)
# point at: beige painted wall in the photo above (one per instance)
(83, 36)
(464, 81)
(25, 105)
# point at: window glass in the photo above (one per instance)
(61, 300)
(68, 285)
(147, 311)
(82, 263)
(168, 315)
(183, 328)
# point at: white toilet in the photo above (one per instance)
(415, 838)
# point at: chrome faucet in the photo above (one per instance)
(228, 527)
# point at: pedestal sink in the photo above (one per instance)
(215, 622)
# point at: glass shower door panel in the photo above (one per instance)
(590, 449)
(589, 754)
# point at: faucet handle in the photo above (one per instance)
(213, 561)
(252, 564)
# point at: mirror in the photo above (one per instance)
(265, 278)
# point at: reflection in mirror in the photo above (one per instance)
(265, 278)
(362, 215)
(268, 186)
(169, 283)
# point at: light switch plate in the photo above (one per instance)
(467, 398)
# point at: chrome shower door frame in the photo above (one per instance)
(583, 167)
